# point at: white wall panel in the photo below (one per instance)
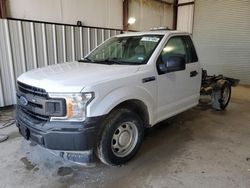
(150, 14)
(222, 37)
(185, 18)
(102, 13)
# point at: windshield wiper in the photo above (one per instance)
(104, 61)
(86, 59)
(110, 61)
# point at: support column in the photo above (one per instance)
(3, 12)
(125, 14)
(175, 14)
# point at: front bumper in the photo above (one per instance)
(61, 136)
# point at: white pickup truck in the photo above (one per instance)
(101, 105)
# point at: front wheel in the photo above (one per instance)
(120, 138)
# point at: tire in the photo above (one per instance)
(221, 97)
(120, 137)
(224, 100)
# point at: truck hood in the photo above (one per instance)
(74, 76)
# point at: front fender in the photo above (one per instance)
(104, 105)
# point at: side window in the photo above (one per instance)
(173, 56)
(192, 56)
(175, 46)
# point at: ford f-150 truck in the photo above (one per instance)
(101, 105)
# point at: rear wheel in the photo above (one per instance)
(225, 95)
(221, 98)
(120, 138)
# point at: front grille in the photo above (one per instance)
(24, 88)
(37, 103)
(35, 116)
(26, 116)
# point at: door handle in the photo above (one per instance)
(193, 73)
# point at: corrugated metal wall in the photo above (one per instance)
(222, 37)
(25, 45)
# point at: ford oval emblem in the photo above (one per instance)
(23, 101)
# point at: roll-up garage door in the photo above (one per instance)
(221, 33)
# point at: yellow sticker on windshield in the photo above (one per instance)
(150, 39)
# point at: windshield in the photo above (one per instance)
(131, 50)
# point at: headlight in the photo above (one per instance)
(76, 105)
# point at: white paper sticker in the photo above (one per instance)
(150, 39)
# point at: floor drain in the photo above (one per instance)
(3, 138)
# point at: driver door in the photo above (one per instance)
(178, 90)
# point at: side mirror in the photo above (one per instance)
(172, 63)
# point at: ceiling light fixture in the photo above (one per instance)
(131, 20)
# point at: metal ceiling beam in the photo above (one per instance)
(184, 4)
(164, 2)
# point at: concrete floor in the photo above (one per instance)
(198, 148)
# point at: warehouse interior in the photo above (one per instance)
(200, 147)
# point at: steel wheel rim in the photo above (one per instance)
(225, 95)
(124, 139)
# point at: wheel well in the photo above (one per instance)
(136, 106)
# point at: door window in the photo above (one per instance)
(176, 46)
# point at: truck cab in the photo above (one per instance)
(101, 105)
